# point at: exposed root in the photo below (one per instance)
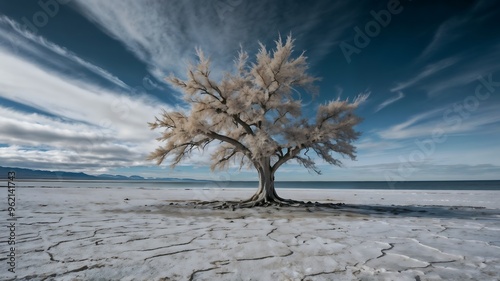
(276, 202)
(265, 202)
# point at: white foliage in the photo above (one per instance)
(253, 114)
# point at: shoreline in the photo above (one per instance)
(295, 185)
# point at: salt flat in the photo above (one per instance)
(157, 234)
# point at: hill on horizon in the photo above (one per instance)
(23, 173)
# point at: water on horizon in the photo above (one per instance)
(149, 184)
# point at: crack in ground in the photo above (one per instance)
(106, 220)
(131, 240)
(383, 253)
(200, 270)
(255, 259)
(26, 235)
(52, 257)
(31, 240)
(42, 222)
(266, 257)
(160, 236)
(326, 229)
(324, 272)
(430, 264)
(73, 260)
(221, 262)
(169, 246)
(172, 253)
(65, 241)
(85, 267)
(224, 272)
(273, 230)
(384, 250)
(443, 230)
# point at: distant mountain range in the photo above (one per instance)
(22, 173)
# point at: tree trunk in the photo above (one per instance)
(266, 191)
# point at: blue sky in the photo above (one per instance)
(79, 80)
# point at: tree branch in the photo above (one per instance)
(245, 126)
(290, 153)
(224, 159)
(229, 140)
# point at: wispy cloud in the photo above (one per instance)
(444, 35)
(426, 72)
(466, 73)
(463, 64)
(92, 125)
(6, 22)
(164, 35)
(437, 78)
(445, 120)
(390, 101)
(456, 27)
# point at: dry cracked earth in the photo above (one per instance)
(180, 241)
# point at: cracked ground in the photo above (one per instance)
(90, 237)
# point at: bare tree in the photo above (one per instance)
(255, 116)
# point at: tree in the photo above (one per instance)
(254, 115)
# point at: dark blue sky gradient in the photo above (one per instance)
(421, 71)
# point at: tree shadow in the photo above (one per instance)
(417, 211)
(317, 209)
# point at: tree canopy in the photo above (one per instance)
(255, 115)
